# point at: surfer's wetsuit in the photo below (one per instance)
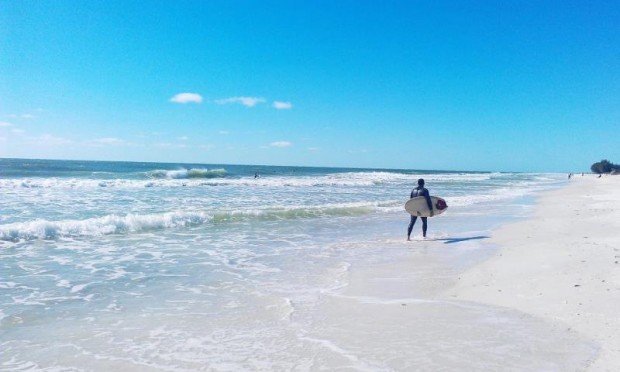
(420, 191)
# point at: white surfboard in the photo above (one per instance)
(418, 207)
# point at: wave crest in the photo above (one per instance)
(188, 173)
(135, 223)
(198, 177)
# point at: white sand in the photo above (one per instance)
(563, 264)
(542, 296)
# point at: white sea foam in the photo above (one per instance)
(78, 287)
(133, 223)
(175, 277)
(218, 177)
(141, 221)
(111, 224)
(187, 173)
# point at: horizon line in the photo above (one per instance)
(273, 165)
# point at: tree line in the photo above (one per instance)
(604, 166)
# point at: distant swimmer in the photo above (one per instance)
(420, 191)
(256, 175)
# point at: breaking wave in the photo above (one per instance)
(135, 223)
(219, 177)
(187, 173)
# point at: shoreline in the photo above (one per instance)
(398, 314)
(535, 295)
(561, 264)
(363, 299)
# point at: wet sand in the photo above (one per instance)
(561, 265)
(541, 293)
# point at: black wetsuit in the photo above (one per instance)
(420, 191)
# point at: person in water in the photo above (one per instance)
(420, 191)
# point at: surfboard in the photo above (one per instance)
(417, 206)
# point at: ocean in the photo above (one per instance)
(158, 266)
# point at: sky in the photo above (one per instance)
(451, 85)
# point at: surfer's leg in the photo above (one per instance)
(413, 219)
(424, 226)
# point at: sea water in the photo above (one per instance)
(146, 266)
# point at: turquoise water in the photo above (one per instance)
(64, 199)
(181, 266)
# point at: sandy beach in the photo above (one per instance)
(562, 264)
(213, 186)
(521, 273)
(537, 294)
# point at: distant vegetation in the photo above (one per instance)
(604, 166)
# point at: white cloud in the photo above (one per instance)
(18, 131)
(108, 141)
(5, 124)
(245, 101)
(49, 139)
(22, 116)
(281, 144)
(183, 138)
(186, 98)
(170, 145)
(280, 105)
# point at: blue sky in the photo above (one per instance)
(509, 86)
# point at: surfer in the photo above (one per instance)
(420, 191)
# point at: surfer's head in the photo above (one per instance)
(421, 182)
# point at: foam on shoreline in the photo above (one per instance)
(544, 299)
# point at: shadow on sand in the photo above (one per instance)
(459, 240)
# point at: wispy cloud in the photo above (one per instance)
(5, 124)
(280, 105)
(224, 132)
(183, 138)
(245, 101)
(50, 140)
(281, 144)
(17, 131)
(108, 141)
(149, 134)
(21, 116)
(186, 98)
(170, 145)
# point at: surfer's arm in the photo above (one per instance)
(429, 202)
